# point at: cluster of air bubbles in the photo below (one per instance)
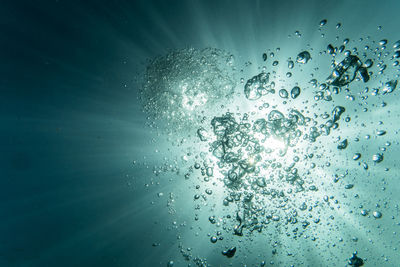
(258, 86)
(251, 163)
(187, 84)
(355, 261)
(389, 87)
(271, 166)
(345, 72)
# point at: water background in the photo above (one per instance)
(71, 123)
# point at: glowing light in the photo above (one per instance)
(274, 144)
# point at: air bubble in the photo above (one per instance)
(303, 57)
(377, 214)
(383, 42)
(377, 158)
(283, 93)
(295, 92)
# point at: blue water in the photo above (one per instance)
(73, 125)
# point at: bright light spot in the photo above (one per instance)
(251, 160)
(274, 144)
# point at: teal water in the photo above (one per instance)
(199, 133)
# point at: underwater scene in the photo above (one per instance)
(200, 133)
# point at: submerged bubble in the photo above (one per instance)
(331, 49)
(290, 64)
(265, 56)
(357, 156)
(202, 134)
(257, 86)
(230, 252)
(365, 165)
(342, 144)
(283, 93)
(337, 112)
(389, 87)
(380, 132)
(364, 212)
(383, 42)
(377, 214)
(303, 57)
(377, 158)
(349, 186)
(396, 44)
(295, 92)
(355, 261)
(275, 115)
(368, 63)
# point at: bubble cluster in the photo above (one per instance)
(346, 71)
(293, 156)
(187, 84)
(258, 86)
